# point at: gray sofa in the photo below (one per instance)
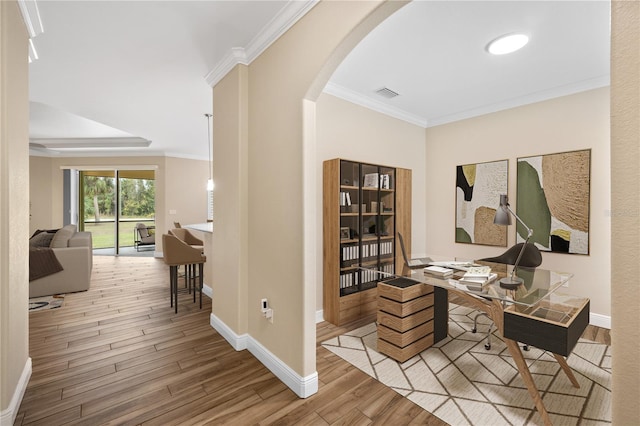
(74, 251)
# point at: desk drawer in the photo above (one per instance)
(555, 324)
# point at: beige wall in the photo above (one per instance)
(568, 123)
(298, 63)
(230, 168)
(625, 206)
(40, 194)
(15, 365)
(180, 186)
(349, 131)
(185, 192)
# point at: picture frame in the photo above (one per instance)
(553, 199)
(344, 233)
(478, 190)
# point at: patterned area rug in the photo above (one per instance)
(46, 302)
(462, 383)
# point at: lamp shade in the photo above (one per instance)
(502, 217)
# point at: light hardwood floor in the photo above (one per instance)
(118, 354)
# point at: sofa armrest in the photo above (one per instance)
(76, 275)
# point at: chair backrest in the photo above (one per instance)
(531, 258)
(142, 230)
(177, 225)
(404, 252)
(186, 236)
(177, 252)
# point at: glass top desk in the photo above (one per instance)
(534, 308)
(537, 283)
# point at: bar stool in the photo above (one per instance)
(187, 237)
(176, 253)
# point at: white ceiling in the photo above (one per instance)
(141, 69)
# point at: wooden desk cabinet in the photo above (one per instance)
(412, 316)
(554, 324)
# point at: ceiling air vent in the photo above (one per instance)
(387, 93)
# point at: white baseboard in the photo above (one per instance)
(207, 290)
(302, 386)
(238, 342)
(8, 416)
(319, 316)
(158, 254)
(601, 321)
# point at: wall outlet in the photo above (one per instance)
(264, 305)
(172, 212)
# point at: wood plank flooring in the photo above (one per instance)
(119, 355)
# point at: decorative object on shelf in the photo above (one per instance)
(502, 218)
(477, 188)
(553, 196)
(345, 233)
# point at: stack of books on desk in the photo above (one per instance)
(438, 271)
(478, 276)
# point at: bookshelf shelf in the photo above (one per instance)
(360, 220)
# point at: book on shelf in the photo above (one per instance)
(438, 271)
(385, 181)
(345, 199)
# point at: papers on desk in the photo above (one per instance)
(438, 271)
(454, 264)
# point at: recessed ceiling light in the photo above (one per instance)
(507, 44)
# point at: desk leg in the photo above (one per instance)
(523, 369)
(495, 311)
(563, 363)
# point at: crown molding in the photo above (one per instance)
(556, 92)
(359, 99)
(289, 15)
(234, 57)
(544, 95)
(31, 17)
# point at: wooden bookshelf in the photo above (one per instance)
(364, 206)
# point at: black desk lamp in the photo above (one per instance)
(502, 218)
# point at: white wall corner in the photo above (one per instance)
(304, 387)
(8, 415)
(601, 321)
(238, 342)
(319, 316)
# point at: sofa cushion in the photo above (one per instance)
(42, 239)
(61, 238)
(50, 231)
